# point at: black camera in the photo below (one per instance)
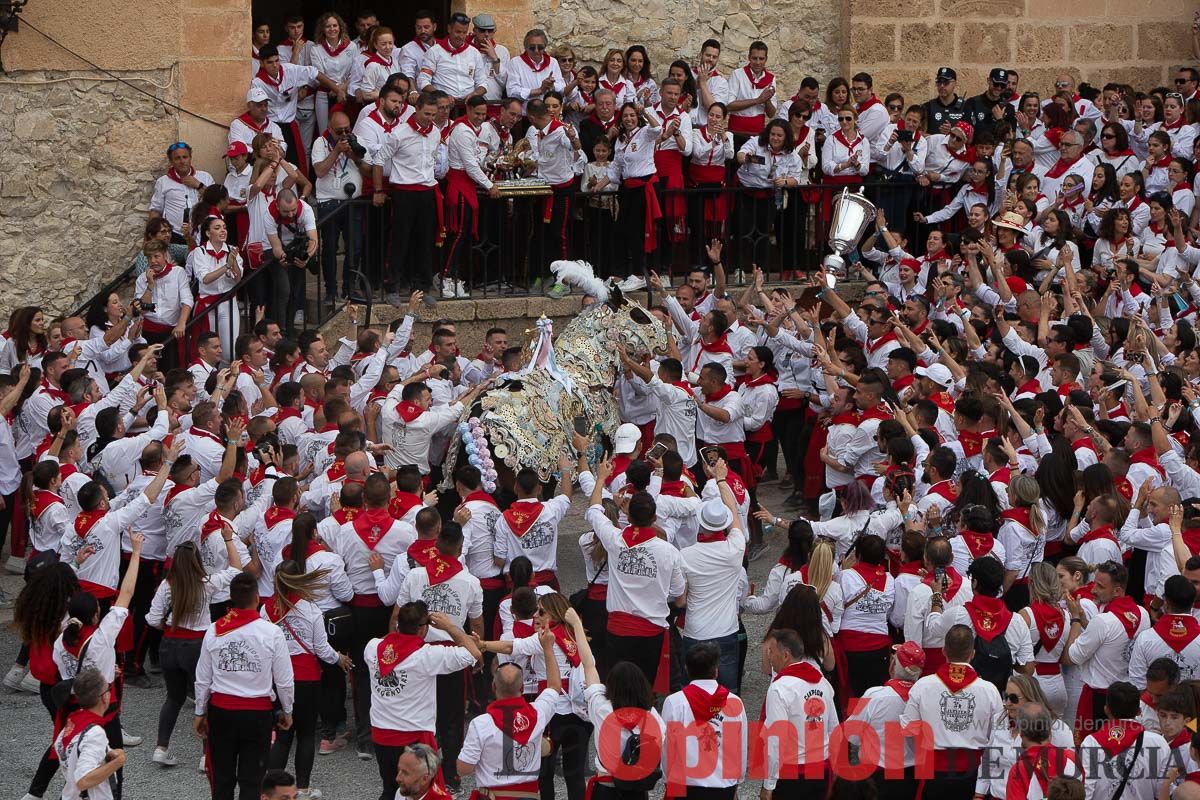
(296, 250)
(265, 445)
(144, 307)
(355, 146)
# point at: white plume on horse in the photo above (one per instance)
(580, 275)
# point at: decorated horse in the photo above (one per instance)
(527, 419)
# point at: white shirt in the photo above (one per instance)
(406, 699)
(409, 155)
(835, 153)
(1102, 650)
(87, 752)
(962, 719)
(331, 185)
(460, 598)
(740, 88)
(784, 164)
(642, 579)
(500, 761)
(1145, 774)
(729, 765)
(665, 118)
(457, 73)
(524, 76)
(249, 661)
(713, 431)
(466, 151)
(101, 653)
(354, 551)
(1156, 541)
(283, 92)
(1150, 645)
(557, 159)
(171, 197)
(411, 55)
(798, 703)
(539, 543)
(410, 440)
(105, 537)
(713, 571)
(243, 129)
(171, 293)
(633, 154)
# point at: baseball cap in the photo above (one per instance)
(999, 75)
(484, 22)
(909, 654)
(946, 74)
(257, 94)
(715, 515)
(936, 373)
(237, 149)
(627, 438)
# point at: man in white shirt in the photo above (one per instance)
(713, 570)
(952, 589)
(959, 710)
(710, 86)
(410, 421)
(244, 666)
(282, 86)
(179, 190)
(530, 527)
(799, 698)
(676, 413)
(287, 218)
(751, 95)
(254, 121)
(708, 712)
(495, 56)
(719, 421)
(1123, 753)
(466, 151)
(82, 745)
(337, 167)
(880, 710)
(413, 52)
(1174, 635)
(453, 65)
(1148, 532)
(533, 73)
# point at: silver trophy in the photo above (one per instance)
(852, 214)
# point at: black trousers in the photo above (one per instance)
(414, 229)
(331, 705)
(711, 792)
(387, 757)
(6, 515)
(642, 651)
(178, 659)
(792, 435)
(867, 669)
(570, 736)
(303, 732)
(368, 623)
(948, 786)
(47, 766)
(451, 719)
(595, 621)
(238, 744)
(145, 638)
(287, 292)
(481, 681)
(803, 789)
(548, 240)
(347, 226)
(631, 228)
(896, 788)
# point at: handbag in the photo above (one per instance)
(339, 628)
(578, 598)
(60, 693)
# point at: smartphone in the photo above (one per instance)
(710, 455)
(904, 136)
(939, 576)
(758, 159)
(657, 451)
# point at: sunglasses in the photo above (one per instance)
(178, 146)
(538, 47)
(1182, 81)
(942, 81)
(845, 119)
(1012, 698)
(1176, 95)
(1061, 85)
(996, 85)
(803, 116)
(958, 137)
(895, 108)
(1107, 136)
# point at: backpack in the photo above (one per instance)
(630, 755)
(993, 661)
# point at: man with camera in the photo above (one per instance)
(291, 229)
(337, 158)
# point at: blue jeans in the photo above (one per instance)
(727, 671)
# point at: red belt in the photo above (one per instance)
(653, 211)
(391, 738)
(956, 760)
(236, 702)
(1047, 668)
(155, 327)
(593, 781)
(175, 632)
(545, 577)
(366, 601)
(762, 435)
(306, 667)
(492, 583)
(747, 123)
(597, 591)
(97, 591)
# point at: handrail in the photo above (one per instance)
(108, 289)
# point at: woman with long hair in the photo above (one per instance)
(1054, 240)
(1176, 125)
(612, 78)
(681, 71)
(801, 611)
(38, 616)
(332, 54)
(180, 610)
(804, 560)
(634, 171)
(25, 340)
(303, 625)
(1022, 532)
(213, 203)
(712, 147)
(1005, 746)
(976, 537)
(520, 573)
(1116, 238)
(637, 72)
(1115, 150)
(1055, 475)
(1049, 626)
(216, 267)
(1073, 573)
(105, 312)
(1106, 187)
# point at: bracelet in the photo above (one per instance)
(778, 521)
(1076, 621)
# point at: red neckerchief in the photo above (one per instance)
(1147, 456)
(1001, 476)
(86, 521)
(955, 583)
(616, 88)
(311, 550)
(174, 175)
(408, 411)
(978, 544)
(371, 525)
(394, 648)
(850, 417)
(878, 412)
(445, 43)
(1019, 515)
(1061, 166)
(235, 618)
(966, 154)
(481, 496)
(1127, 611)
(737, 486)
(944, 489)
(1117, 736)
(387, 126)
(521, 515)
(216, 255)
(534, 67)
(1097, 534)
(345, 514)
(633, 535)
(972, 443)
(422, 551)
(276, 609)
(375, 58)
(503, 132)
(551, 128)
(606, 126)
(78, 722)
(719, 345)
(1172, 126)
(266, 78)
(277, 215)
(337, 471)
(864, 105)
(1177, 630)
(442, 568)
(1032, 386)
(705, 537)
(799, 669)
(276, 514)
(566, 643)
(957, 676)
(424, 47)
(874, 575)
(873, 346)
(671, 488)
(57, 394)
(1084, 443)
(334, 52)
(841, 137)
(705, 705)
(911, 568)
(249, 122)
(762, 380)
(286, 413)
(1048, 620)
(989, 615)
(42, 500)
(718, 394)
(944, 401)
(514, 717)
(403, 502)
(213, 523)
(762, 82)
(620, 463)
(412, 123)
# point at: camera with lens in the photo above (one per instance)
(356, 147)
(296, 250)
(267, 444)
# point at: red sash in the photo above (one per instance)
(395, 648)
(989, 616)
(521, 515)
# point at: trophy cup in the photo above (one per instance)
(852, 213)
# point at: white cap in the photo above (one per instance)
(715, 516)
(938, 374)
(627, 438)
(257, 94)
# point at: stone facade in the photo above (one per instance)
(81, 150)
(903, 42)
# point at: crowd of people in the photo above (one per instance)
(991, 548)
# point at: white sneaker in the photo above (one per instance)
(298, 318)
(129, 739)
(164, 758)
(632, 284)
(460, 289)
(739, 278)
(202, 767)
(309, 794)
(15, 676)
(29, 796)
(31, 684)
(448, 291)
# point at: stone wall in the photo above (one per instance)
(82, 150)
(903, 42)
(670, 30)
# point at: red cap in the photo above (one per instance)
(909, 654)
(237, 149)
(967, 129)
